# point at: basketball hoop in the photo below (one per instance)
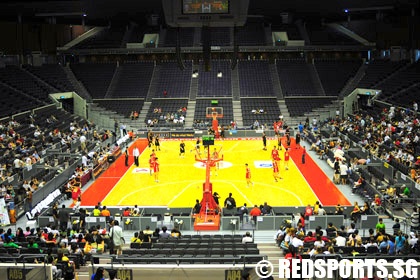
(214, 113)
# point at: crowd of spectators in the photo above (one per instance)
(23, 143)
(348, 241)
(391, 134)
(159, 116)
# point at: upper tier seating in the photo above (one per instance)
(175, 81)
(335, 73)
(52, 74)
(378, 70)
(406, 96)
(399, 82)
(21, 80)
(299, 106)
(295, 77)
(134, 79)
(269, 105)
(13, 102)
(208, 82)
(95, 77)
(255, 78)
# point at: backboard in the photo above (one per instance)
(214, 112)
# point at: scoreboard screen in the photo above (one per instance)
(205, 7)
(207, 140)
(208, 13)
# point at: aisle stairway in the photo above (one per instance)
(189, 118)
(273, 253)
(77, 85)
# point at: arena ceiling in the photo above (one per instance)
(105, 10)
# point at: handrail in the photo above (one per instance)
(178, 260)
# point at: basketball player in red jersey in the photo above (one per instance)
(248, 175)
(276, 172)
(286, 159)
(153, 154)
(151, 163)
(275, 154)
(215, 156)
(156, 170)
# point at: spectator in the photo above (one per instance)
(309, 238)
(99, 275)
(308, 211)
(135, 238)
(380, 226)
(243, 212)
(255, 212)
(96, 212)
(399, 242)
(413, 241)
(321, 211)
(105, 213)
(116, 233)
(396, 227)
(340, 240)
(414, 220)
(164, 234)
(175, 233)
(316, 207)
(266, 209)
(355, 214)
(197, 207)
(230, 203)
(339, 210)
(127, 212)
(64, 217)
(247, 238)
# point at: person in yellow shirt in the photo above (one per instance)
(316, 208)
(96, 212)
(135, 238)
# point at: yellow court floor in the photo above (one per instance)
(181, 178)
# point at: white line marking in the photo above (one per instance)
(181, 192)
(264, 184)
(231, 148)
(241, 193)
(159, 185)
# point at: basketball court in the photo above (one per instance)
(181, 179)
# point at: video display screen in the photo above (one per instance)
(205, 6)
